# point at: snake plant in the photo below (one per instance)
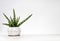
(14, 22)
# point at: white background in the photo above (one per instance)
(45, 19)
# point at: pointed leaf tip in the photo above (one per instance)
(24, 20)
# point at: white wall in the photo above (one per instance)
(45, 19)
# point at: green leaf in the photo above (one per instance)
(12, 22)
(17, 20)
(6, 17)
(5, 24)
(14, 15)
(24, 20)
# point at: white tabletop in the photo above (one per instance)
(31, 38)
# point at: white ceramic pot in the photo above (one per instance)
(14, 31)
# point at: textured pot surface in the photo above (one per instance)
(14, 31)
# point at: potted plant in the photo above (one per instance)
(14, 24)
